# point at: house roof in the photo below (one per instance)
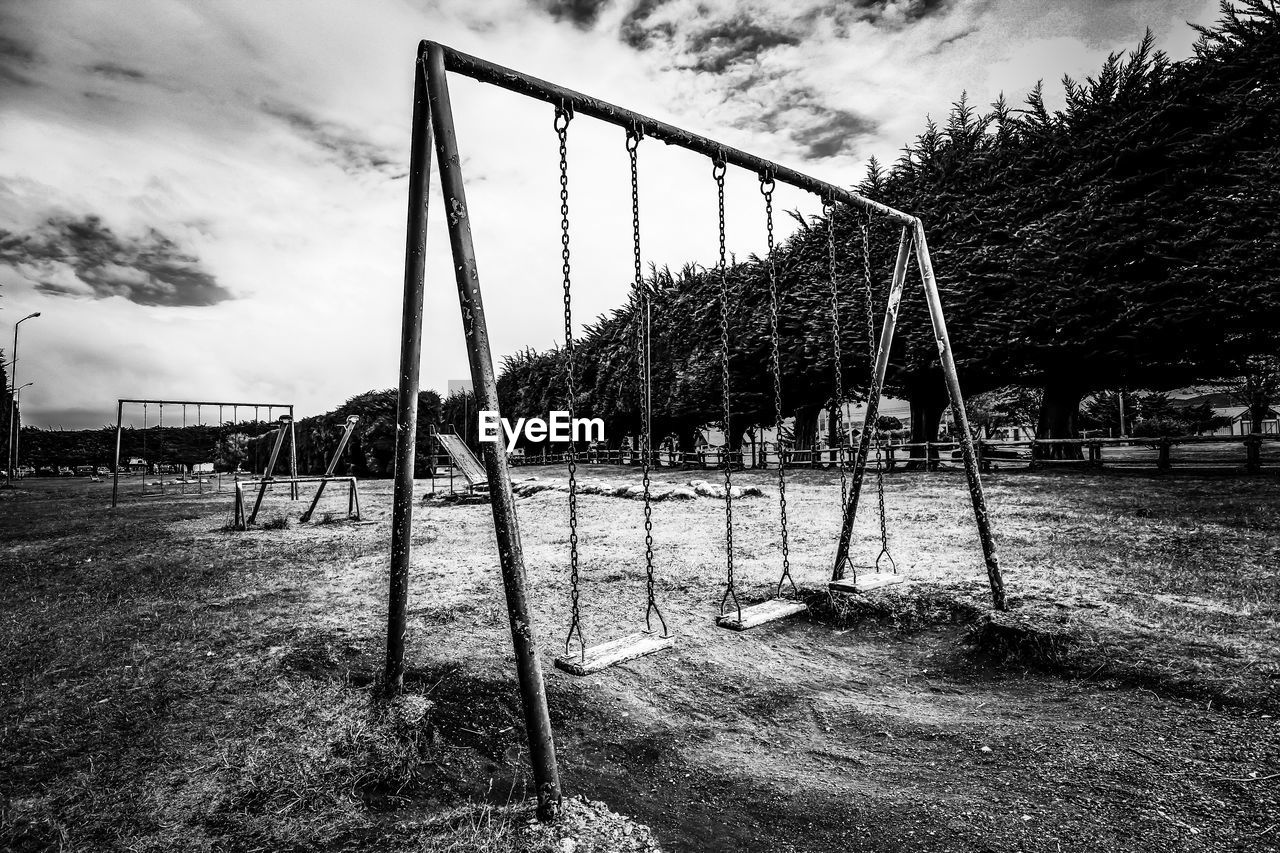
(1237, 413)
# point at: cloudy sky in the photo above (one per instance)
(206, 199)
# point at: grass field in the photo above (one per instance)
(167, 684)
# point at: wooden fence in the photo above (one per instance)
(1251, 454)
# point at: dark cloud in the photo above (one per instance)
(637, 32)
(822, 131)
(832, 133)
(112, 71)
(352, 152)
(13, 50)
(17, 60)
(149, 270)
(717, 47)
(960, 36)
(581, 13)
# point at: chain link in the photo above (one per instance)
(842, 455)
(563, 116)
(829, 210)
(766, 189)
(726, 459)
(872, 352)
(634, 135)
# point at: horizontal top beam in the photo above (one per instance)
(288, 406)
(523, 84)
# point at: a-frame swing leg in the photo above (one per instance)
(432, 110)
(352, 420)
(285, 421)
(874, 580)
(961, 419)
(914, 235)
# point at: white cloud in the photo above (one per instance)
(264, 140)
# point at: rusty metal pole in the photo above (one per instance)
(407, 402)
(961, 418)
(352, 420)
(115, 469)
(286, 423)
(873, 401)
(293, 455)
(533, 693)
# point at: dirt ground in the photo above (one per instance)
(168, 684)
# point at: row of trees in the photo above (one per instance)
(223, 445)
(246, 445)
(1127, 240)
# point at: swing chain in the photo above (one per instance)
(868, 297)
(872, 352)
(884, 528)
(634, 135)
(766, 189)
(564, 114)
(718, 172)
(829, 210)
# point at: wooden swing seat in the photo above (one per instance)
(762, 613)
(865, 582)
(613, 652)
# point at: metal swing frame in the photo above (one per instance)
(243, 520)
(433, 124)
(199, 404)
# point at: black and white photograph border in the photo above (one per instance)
(858, 432)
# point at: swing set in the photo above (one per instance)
(161, 464)
(243, 520)
(433, 122)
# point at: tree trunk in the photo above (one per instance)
(1258, 407)
(736, 439)
(1059, 418)
(805, 429)
(687, 439)
(927, 395)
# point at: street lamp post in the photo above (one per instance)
(13, 404)
(16, 418)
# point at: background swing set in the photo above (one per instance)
(223, 407)
(433, 123)
(244, 520)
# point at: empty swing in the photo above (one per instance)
(595, 658)
(778, 607)
(879, 574)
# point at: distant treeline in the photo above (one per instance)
(247, 445)
(1128, 240)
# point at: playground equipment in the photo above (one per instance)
(162, 465)
(433, 121)
(242, 521)
(462, 460)
(595, 658)
(876, 578)
(353, 496)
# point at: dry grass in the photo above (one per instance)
(168, 684)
